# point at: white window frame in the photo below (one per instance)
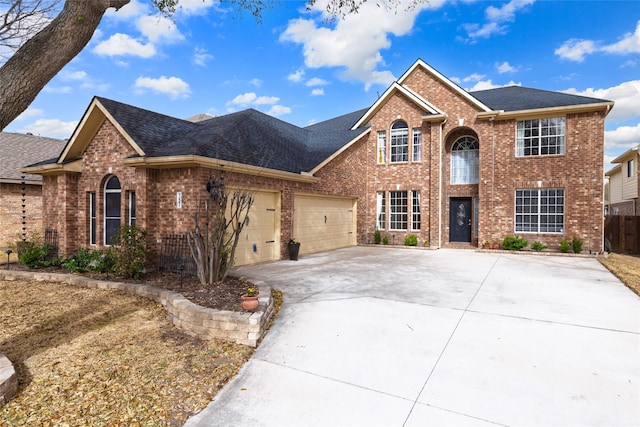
(416, 222)
(398, 210)
(106, 218)
(416, 148)
(93, 218)
(536, 207)
(381, 152)
(631, 170)
(131, 200)
(541, 137)
(381, 210)
(399, 142)
(465, 161)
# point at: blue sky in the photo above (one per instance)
(303, 68)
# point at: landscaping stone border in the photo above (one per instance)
(8, 380)
(246, 328)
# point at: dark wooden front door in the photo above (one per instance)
(460, 220)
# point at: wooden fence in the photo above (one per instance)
(622, 234)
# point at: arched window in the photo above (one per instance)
(112, 202)
(464, 161)
(399, 142)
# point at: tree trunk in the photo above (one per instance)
(24, 75)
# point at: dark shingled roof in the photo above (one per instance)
(248, 137)
(516, 98)
(19, 150)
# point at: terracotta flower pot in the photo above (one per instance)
(250, 303)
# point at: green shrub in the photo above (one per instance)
(514, 243)
(85, 260)
(411, 240)
(129, 252)
(537, 246)
(33, 254)
(377, 237)
(385, 240)
(576, 245)
(565, 245)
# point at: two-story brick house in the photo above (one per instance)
(427, 158)
(623, 184)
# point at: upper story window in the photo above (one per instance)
(416, 148)
(630, 168)
(381, 155)
(399, 142)
(540, 137)
(464, 161)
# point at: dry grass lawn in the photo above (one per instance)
(100, 358)
(626, 268)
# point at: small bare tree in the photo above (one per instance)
(219, 220)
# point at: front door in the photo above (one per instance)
(460, 220)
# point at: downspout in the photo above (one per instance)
(440, 185)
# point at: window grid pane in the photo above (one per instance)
(417, 144)
(398, 210)
(92, 218)
(415, 211)
(399, 142)
(540, 137)
(464, 161)
(540, 211)
(381, 156)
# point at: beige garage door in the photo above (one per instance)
(324, 223)
(260, 238)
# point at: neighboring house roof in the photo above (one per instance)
(18, 150)
(629, 154)
(614, 170)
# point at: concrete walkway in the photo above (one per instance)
(374, 336)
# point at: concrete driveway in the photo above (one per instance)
(374, 336)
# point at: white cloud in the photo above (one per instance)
(201, 57)
(58, 89)
(488, 84)
(244, 99)
(266, 100)
(624, 137)
(577, 49)
(496, 19)
(53, 128)
(194, 7)
(255, 82)
(630, 43)
(175, 87)
(626, 96)
(316, 82)
(296, 76)
(317, 92)
(505, 67)
(132, 9)
(278, 110)
(156, 28)
(123, 44)
(29, 113)
(353, 43)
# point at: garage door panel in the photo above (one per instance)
(323, 223)
(259, 240)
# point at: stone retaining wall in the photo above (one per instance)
(242, 327)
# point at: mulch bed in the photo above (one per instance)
(223, 295)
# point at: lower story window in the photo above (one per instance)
(540, 210)
(381, 211)
(398, 210)
(92, 218)
(415, 211)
